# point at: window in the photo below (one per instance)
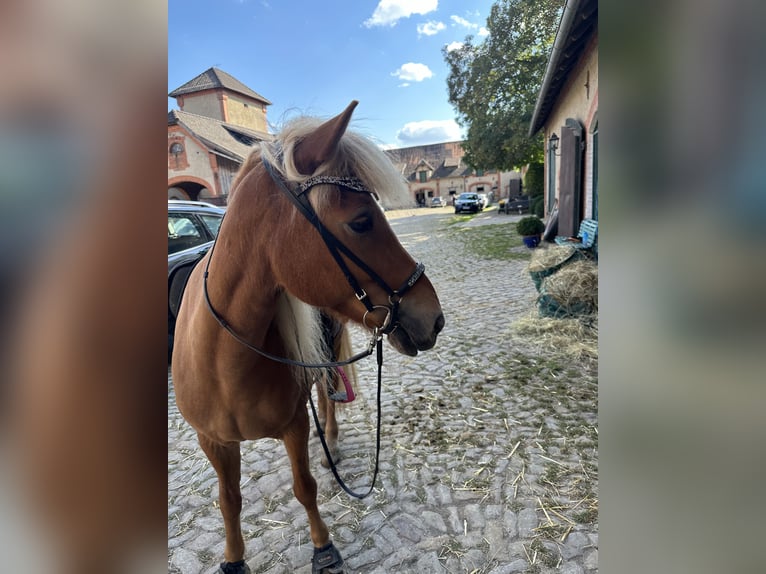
(183, 233)
(177, 155)
(479, 172)
(242, 137)
(423, 176)
(212, 222)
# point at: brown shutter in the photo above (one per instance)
(570, 178)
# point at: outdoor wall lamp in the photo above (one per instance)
(553, 143)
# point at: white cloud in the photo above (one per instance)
(412, 72)
(458, 21)
(428, 131)
(452, 46)
(430, 28)
(388, 12)
(462, 22)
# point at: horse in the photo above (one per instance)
(304, 230)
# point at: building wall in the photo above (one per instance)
(505, 180)
(227, 170)
(198, 165)
(451, 183)
(487, 181)
(494, 182)
(581, 103)
(205, 103)
(246, 112)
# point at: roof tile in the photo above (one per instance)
(213, 78)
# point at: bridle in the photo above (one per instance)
(298, 194)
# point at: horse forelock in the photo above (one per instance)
(356, 156)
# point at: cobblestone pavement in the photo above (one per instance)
(489, 446)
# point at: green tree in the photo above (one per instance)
(493, 85)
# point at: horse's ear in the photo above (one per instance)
(319, 146)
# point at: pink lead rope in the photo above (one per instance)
(349, 390)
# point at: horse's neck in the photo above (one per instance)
(241, 285)
(272, 320)
(258, 309)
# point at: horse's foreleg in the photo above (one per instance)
(225, 459)
(296, 440)
(326, 558)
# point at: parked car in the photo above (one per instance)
(192, 228)
(514, 205)
(438, 202)
(468, 202)
(484, 200)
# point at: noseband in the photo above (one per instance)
(298, 194)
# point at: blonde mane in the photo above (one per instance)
(299, 326)
(357, 156)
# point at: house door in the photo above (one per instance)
(570, 178)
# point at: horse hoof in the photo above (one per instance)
(327, 560)
(240, 567)
(335, 458)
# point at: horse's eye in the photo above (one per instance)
(361, 225)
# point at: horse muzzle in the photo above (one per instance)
(408, 337)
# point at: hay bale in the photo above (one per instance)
(550, 256)
(546, 262)
(571, 291)
(572, 337)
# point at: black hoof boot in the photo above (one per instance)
(234, 568)
(327, 560)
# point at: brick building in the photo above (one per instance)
(219, 121)
(438, 170)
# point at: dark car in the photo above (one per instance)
(514, 205)
(469, 202)
(192, 227)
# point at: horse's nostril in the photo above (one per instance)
(439, 325)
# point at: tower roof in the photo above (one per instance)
(213, 78)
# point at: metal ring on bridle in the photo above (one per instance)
(386, 321)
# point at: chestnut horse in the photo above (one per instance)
(303, 230)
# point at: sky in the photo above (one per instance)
(314, 57)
